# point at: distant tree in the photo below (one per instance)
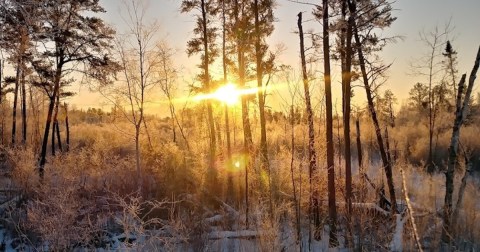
(431, 66)
(418, 97)
(18, 19)
(385, 108)
(137, 51)
(451, 65)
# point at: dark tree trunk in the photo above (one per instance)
(51, 106)
(359, 145)
(230, 191)
(52, 145)
(59, 139)
(371, 106)
(24, 110)
(247, 132)
(55, 126)
(261, 97)
(212, 174)
(312, 155)
(261, 105)
(67, 130)
(332, 208)
(292, 174)
(15, 102)
(1, 105)
(346, 81)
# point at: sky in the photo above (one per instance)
(413, 17)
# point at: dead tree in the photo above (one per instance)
(312, 155)
(460, 115)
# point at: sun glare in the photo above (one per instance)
(227, 94)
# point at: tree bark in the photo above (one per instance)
(346, 81)
(67, 129)
(212, 174)
(332, 208)
(312, 155)
(261, 105)
(247, 132)
(460, 115)
(15, 102)
(24, 110)
(43, 153)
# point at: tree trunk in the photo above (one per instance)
(292, 174)
(332, 208)
(261, 105)
(211, 174)
(461, 190)
(460, 115)
(43, 153)
(52, 145)
(359, 145)
(1, 103)
(346, 80)
(15, 102)
(24, 110)
(55, 125)
(371, 106)
(346, 55)
(247, 132)
(230, 191)
(137, 156)
(59, 139)
(67, 130)
(312, 155)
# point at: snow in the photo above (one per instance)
(397, 240)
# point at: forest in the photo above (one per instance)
(242, 152)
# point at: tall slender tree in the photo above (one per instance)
(204, 43)
(380, 13)
(312, 154)
(332, 208)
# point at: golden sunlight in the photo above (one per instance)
(228, 94)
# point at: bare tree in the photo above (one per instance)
(462, 106)
(138, 58)
(312, 154)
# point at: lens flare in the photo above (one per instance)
(228, 94)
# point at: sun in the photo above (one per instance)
(229, 94)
